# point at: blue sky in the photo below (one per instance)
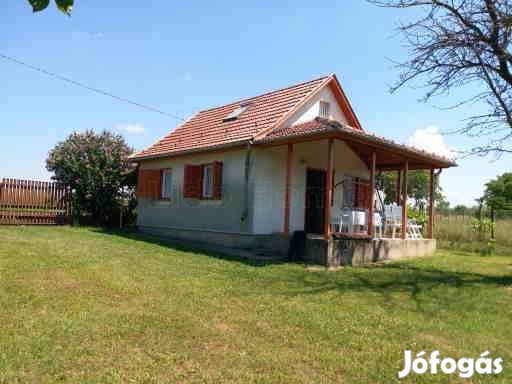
(184, 56)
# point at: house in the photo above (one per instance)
(250, 174)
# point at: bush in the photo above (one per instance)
(483, 228)
(97, 169)
(420, 216)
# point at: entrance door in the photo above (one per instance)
(315, 199)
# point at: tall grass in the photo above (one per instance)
(457, 231)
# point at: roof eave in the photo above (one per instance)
(332, 131)
(135, 159)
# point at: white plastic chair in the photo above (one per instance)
(377, 224)
(359, 220)
(336, 223)
(346, 220)
(393, 221)
(414, 229)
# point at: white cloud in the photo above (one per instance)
(431, 140)
(133, 129)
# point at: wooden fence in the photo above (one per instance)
(34, 202)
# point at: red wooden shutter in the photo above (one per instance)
(155, 184)
(217, 180)
(193, 181)
(365, 202)
(362, 198)
(149, 183)
(140, 183)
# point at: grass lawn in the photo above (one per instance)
(79, 305)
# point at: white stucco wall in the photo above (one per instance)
(269, 185)
(311, 109)
(218, 215)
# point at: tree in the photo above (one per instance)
(417, 187)
(498, 192)
(97, 169)
(460, 209)
(442, 205)
(498, 195)
(458, 43)
(40, 5)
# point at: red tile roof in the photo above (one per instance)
(314, 126)
(319, 126)
(262, 122)
(207, 129)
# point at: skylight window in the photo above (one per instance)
(237, 112)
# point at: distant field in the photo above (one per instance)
(83, 306)
(459, 229)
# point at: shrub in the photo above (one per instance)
(97, 169)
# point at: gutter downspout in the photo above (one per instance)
(248, 154)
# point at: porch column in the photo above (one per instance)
(328, 189)
(288, 180)
(404, 200)
(371, 228)
(431, 198)
(398, 187)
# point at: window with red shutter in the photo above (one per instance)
(203, 181)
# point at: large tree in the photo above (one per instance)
(97, 169)
(456, 43)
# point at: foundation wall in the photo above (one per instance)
(338, 252)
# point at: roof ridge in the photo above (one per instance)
(275, 90)
(296, 107)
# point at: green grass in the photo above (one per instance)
(79, 305)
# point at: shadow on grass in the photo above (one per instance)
(183, 246)
(383, 280)
(420, 283)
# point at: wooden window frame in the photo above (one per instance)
(162, 184)
(204, 167)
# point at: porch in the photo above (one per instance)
(350, 208)
(346, 220)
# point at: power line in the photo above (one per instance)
(85, 86)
